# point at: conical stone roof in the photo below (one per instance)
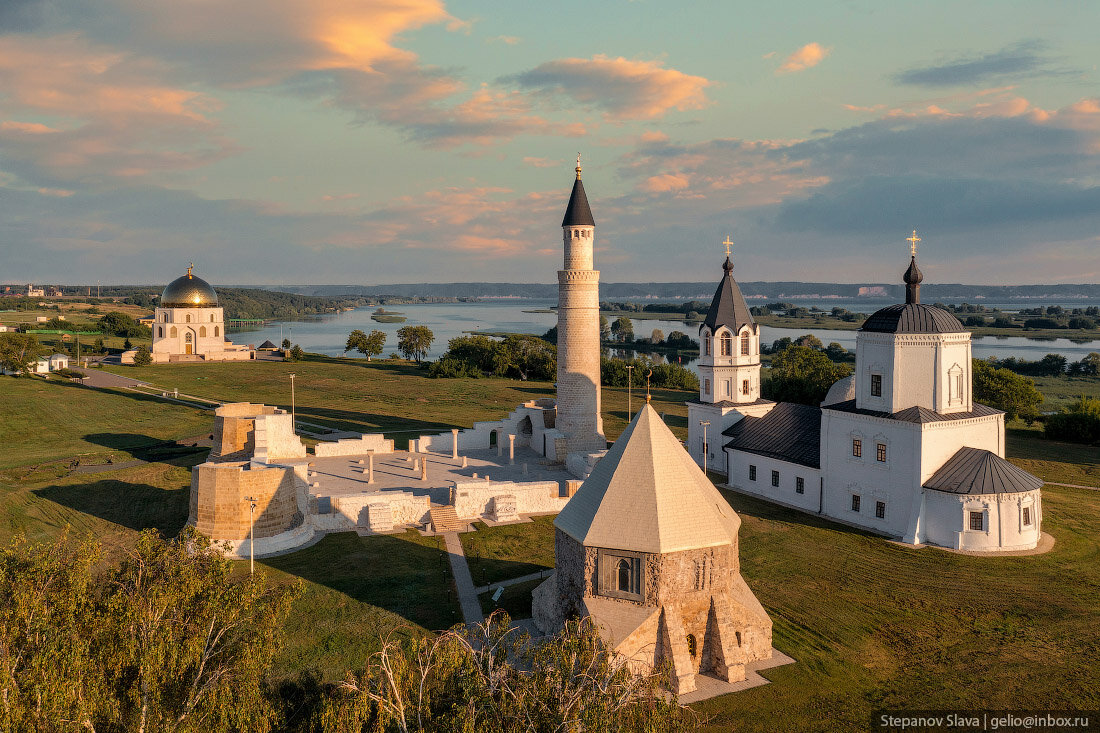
(648, 495)
(578, 213)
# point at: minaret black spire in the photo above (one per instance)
(913, 276)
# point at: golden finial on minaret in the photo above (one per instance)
(728, 244)
(578, 166)
(647, 376)
(189, 269)
(912, 240)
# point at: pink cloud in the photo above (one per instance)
(664, 182)
(541, 162)
(804, 58)
(624, 89)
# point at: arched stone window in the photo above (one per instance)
(216, 331)
(211, 317)
(187, 337)
(160, 331)
(622, 570)
(693, 646)
(202, 331)
(744, 344)
(173, 332)
(188, 317)
(727, 345)
(706, 343)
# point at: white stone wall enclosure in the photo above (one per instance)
(366, 443)
(473, 500)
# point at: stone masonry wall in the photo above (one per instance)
(219, 507)
(578, 385)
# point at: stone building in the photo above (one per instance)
(648, 549)
(189, 325)
(578, 387)
(900, 447)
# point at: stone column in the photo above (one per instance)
(511, 448)
(370, 468)
(454, 443)
(424, 469)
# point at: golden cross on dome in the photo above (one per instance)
(578, 166)
(647, 376)
(912, 240)
(190, 268)
(728, 244)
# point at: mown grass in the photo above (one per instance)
(516, 599)
(513, 550)
(870, 623)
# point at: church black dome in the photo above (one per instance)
(912, 318)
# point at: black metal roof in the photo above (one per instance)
(976, 471)
(731, 403)
(578, 213)
(728, 307)
(268, 345)
(912, 318)
(790, 432)
(915, 414)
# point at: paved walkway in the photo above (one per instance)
(100, 378)
(513, 581)
(464, 583)
(1074, 486)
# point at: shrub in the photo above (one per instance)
(143, 357)
(1079, 424)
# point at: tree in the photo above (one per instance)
(801, 374)
(680, 340)
(605, 329)
(356, 339)
(414, 341)
(1005, 390)
(810, 341)
(121, 324)
(1090, 364)
(622, 329)
(657, 337)
(286, 343)
(18, 351)
(296, 353)
(368, 346)
(1079, 424)
(836, 352)
(169, 639)
(143, 357)
(126, 345)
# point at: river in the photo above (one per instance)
(328, 334)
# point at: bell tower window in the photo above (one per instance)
(727, 345)
(744, 344)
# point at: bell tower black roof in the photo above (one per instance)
(728, 307)
(578, 213)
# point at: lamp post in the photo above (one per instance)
(629, 381)
(293, 415)
(706, 448)
(251, 534)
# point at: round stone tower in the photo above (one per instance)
(579, 329)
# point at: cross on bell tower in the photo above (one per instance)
(912, 240)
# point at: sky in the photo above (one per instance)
(392, 141)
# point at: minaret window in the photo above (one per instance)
(876, 385)
(744, 344)
(216, 331)
(188, 317)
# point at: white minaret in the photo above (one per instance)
(579, 329)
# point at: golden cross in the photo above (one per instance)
(728, 244)
(190, 268)
(913, 243)
(647, 376)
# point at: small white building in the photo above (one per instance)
(900, 447)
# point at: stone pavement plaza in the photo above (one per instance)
(340, 476)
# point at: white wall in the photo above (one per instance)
(367, 443)
(202, 319)
(786, 492)
(472, 499)
(947, 520)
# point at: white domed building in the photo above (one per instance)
(189, 325)
(900, 447)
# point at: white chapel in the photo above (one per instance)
(900, 447)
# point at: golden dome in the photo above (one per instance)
(188, 291)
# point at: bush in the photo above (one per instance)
(1079, 424)
(1006, 390)
(143, 357)
(802, 374)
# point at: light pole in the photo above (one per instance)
(706, 448)
(629, 381)
(251, 534)
(293, 416)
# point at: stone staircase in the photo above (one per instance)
(444, 519)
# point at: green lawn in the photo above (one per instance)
(502, 553)
(871, 624)
(516, 599)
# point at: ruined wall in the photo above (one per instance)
(473, 499)
(234, 429)
(220, 509)
(366, 443)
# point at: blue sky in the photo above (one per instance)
(330, 141)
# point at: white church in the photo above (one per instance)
(900, 447)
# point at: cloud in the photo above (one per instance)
(508, 40)
(622, 88)
(541, 162)
(1020, 60)
(804, 58)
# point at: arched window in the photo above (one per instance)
(216, 330)
(693, 647)
(188, 317)
(727, 345)
(706, 344)
(623, 571)
(744, 344)
(187, 337)
(211, 317)
(160, 331)
(173, 333)
(202, 331)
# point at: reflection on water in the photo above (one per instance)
(328, 334)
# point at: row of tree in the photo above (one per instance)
(171, 638)
(1051, 365)
(515, 356)
(413, 342)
